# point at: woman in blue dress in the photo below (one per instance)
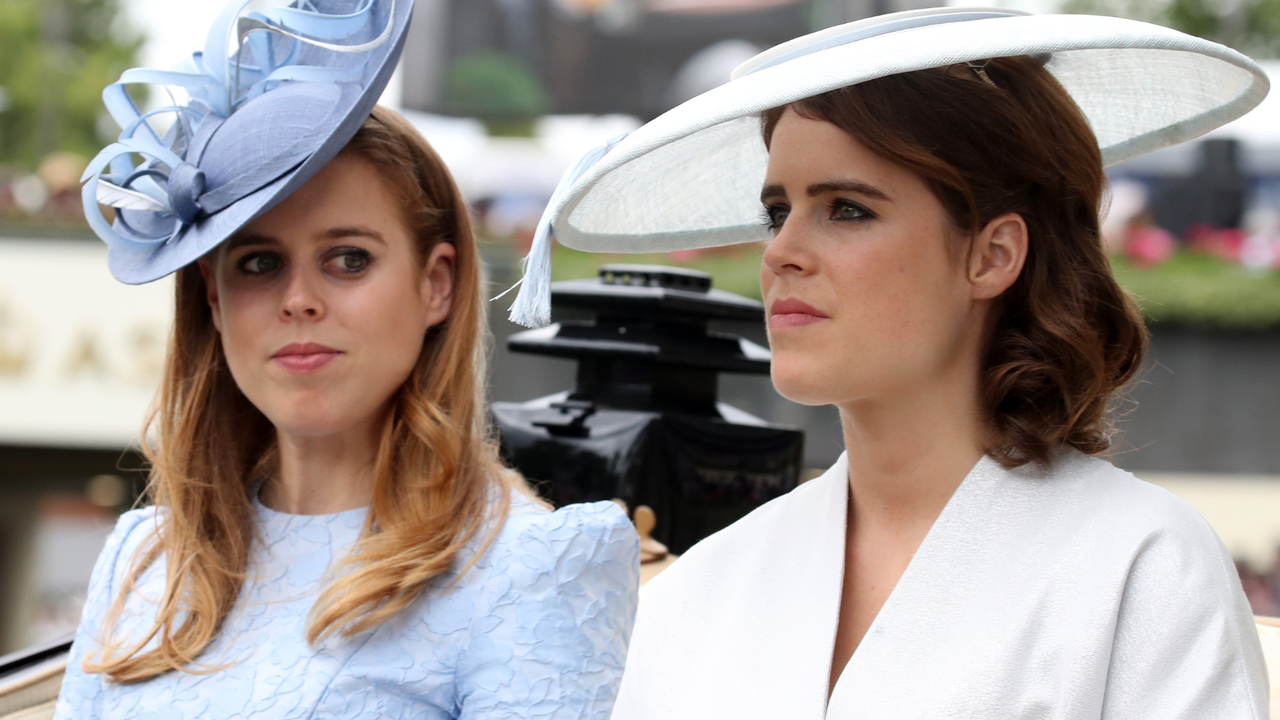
(331, 532)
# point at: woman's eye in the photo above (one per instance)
(846, 210)
(259, 263)
(352, 260)
(774, 216)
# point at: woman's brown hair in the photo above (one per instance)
(438, 482)
(1065, 336)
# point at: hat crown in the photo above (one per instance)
(866, 28)
(266, 138)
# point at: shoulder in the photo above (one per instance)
(538, 558)
(560, 575)
(1139, 535)
(549, 609)
(131, 532)
(135, 524)
(1180, 590)
(587, 538)
(1098, 493)
(792, 526)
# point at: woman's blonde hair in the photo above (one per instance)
(436, 477)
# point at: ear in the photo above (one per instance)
(211, 292)
(437, 282)
(997, 255)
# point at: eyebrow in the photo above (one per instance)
(354, 231)
(853, 186)
(242, 239)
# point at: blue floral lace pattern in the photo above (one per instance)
(537, 628)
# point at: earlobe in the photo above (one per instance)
(999, 253)
(211, 292)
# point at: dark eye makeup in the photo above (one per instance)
(345, 261)
(261, 262)
(348, 260)
(772, 216)
(839, 210)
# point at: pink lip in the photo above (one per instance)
(302, 358)
(790, 312)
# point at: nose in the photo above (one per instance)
(787, 252)
(302, 299)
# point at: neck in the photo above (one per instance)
(908, 453)
(319, 475)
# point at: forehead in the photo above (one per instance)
(347, 193)
(804, 151)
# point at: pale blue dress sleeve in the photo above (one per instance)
(82, 693)
(550, 638)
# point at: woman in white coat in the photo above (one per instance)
(932, 183)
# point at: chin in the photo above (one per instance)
(801, 385)
(307, 425)
(308, 417)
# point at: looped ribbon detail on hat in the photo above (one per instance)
(166, 191)
(532, 306)
(186, 183)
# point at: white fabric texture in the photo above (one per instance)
(1073, 593)
(690, 177)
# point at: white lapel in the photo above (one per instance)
(762, 599)
(915, 599)
(810, 563)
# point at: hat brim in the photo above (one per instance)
(136, 264)
(688, 178)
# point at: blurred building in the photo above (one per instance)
(520, 58)
(80, 355)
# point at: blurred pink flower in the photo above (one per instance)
(1224, 244)
(1149, 245)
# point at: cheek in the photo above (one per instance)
(389, 324)
(903, 293)
(246, 317)
(895, 312)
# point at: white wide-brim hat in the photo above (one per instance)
(691, 177)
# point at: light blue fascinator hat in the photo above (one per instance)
(276, 93)
(689, 178)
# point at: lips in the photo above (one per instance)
(789, 312)
(303, 358)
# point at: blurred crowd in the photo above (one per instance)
(1131, 231)
(51, 195)
(1262, 588)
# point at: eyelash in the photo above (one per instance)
(367, 258)
(768, 218)
(242, 265)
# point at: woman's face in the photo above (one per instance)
(865, 300)
(323, 303)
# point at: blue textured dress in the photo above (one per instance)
(537, 628)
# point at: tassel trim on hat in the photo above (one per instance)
(532, 306)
